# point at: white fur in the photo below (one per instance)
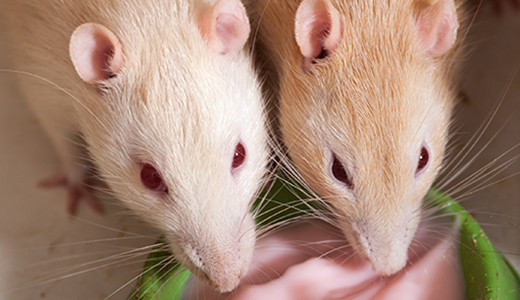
(175, 104)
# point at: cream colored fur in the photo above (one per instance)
(373, 102)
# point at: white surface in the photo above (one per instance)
(36, 233)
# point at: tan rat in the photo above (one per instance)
(365, 99)
(165, 97)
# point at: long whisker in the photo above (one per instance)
(450, 175)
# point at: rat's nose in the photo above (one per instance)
(222, 269)
(384, 245)
(388, 258)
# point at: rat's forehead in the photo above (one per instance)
(371, 135)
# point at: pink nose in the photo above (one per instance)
(221, 269)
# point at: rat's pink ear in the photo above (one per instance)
(436, 25)
(96, 53)
(318, 28)
(225, 27)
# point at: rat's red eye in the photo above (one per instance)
(239, 156)
(339, 172)
(424, 158)
(152, 180)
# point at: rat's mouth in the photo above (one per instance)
(312, 260)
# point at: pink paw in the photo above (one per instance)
(76, 192)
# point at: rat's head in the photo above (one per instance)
(173, 118)
(365, 114)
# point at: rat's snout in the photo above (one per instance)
(220, 258)
(221, 269)
(387, 256)
(385, 244)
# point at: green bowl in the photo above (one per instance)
(487, 273)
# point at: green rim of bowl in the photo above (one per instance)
(487, 273)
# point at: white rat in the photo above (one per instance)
(365, 101)
(165, 97)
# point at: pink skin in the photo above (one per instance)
(299, 263)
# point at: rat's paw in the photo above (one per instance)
(77, 191)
